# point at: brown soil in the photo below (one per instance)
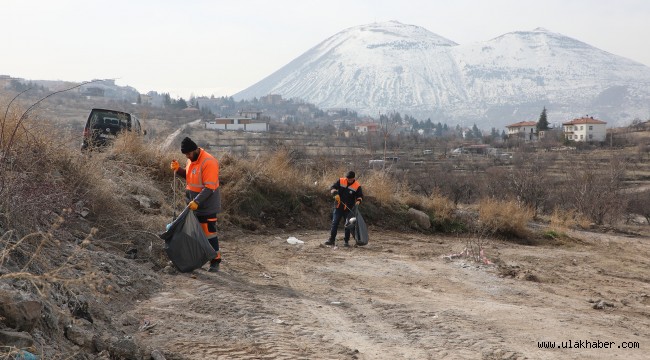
(398, 297)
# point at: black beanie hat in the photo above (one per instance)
(188, 145)
(350, 175)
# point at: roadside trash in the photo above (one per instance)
(168, 226)
(350, 223)
(336, 303)
(25, 355)
(293, 241)
(469, 253)
(278, 321)
(146, 325)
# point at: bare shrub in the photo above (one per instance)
(474, 249)
(527, 182)
(460, 187)
(639, 203)
(494, 184)
(595, 192)
(504, 217)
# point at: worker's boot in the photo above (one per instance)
(214, 263)
(329, 242)
(214, 266)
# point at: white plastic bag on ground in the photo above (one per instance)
(293, 241)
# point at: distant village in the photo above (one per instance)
(272, 112)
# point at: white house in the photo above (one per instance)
(245, 124)
(526, 130)
(585, 129)
(367, 127)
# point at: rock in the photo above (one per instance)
(125, 348)
(129, 320)
(602, 304)
(102, 342)
(16, 339)
(419, 217)
(19, 313)
(81, 333)
(144, 201)
(157, 355)
(169, 270)
(79, 308)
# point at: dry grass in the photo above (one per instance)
(43, 174)
(439, 206)
(384, 189)
(504, 217)
(561, 220)
(50, 193)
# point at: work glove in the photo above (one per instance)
(174, 165)
(193, 205)
(337, 198)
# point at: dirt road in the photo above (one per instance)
(398, 298)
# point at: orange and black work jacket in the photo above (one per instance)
(202, 178)
(349, 193)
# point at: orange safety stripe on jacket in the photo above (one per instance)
(204, 172)
(354, 185)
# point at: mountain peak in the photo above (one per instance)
(390, 66)
(395, 30)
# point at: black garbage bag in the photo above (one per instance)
(186, 244)
(357, 226)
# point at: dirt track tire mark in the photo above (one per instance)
(246, 317)
(411, 328)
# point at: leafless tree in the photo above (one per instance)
(387, 126)
(528, 182)
(595, 191)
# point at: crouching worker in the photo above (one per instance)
(347, 193)
(202, 192)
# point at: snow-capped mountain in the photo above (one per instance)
(390, 66)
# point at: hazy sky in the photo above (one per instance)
(220, 47)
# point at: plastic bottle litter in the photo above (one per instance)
(25, 355)
(293, 241)
(168, 226)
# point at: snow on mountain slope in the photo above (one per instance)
(391, 66)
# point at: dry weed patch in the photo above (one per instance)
(504, 217)
(561, 220)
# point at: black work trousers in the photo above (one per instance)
(339, 213)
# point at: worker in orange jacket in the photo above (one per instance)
(202, 191)
(347, 194)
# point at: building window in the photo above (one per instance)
(581, 127)
(591, 127)
(570, 137)
(591, 136)
(581, 137)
